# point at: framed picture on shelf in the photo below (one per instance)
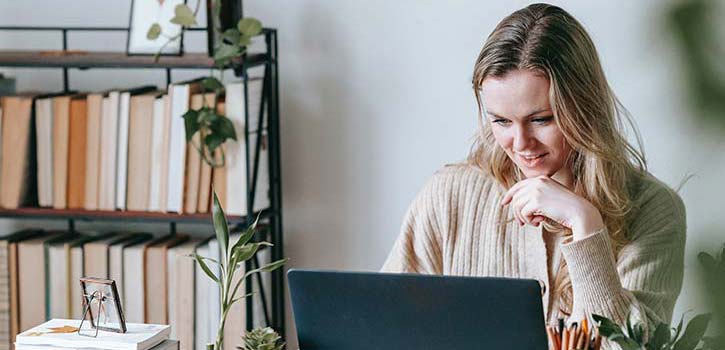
(145, 13)
(101, 306)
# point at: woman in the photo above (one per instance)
(551, 190)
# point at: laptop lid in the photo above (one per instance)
(372, 311)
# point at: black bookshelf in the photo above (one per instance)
(271, 217)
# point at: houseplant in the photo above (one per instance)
(213, 127)
(233, 255)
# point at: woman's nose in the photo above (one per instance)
(522, 139)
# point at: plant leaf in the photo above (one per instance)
(191, 123)
(249, 26)
(607, 327)
(660, 338)
(693, 332)
(192, 255)
(625, 343)
(212, 141)
(224, 127)
(183, 16)
(226, 52)
(247, 235)
(678, 330)
(205, 268)
(154, 32)
(220, 227)
(212, 83)
(244, 40)
(274, 265)
(231, 35)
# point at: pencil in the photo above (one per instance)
(552, 338)
(572, 337)
(580, 340)
(565, 339)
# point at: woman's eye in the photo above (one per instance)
(542, 120)
(501, 121)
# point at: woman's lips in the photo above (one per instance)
(532, 162)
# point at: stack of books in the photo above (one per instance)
(62, 334)
(127, 149)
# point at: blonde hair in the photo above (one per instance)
(549, 41)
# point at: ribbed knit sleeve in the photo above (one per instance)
(418, 248)
(644, 281)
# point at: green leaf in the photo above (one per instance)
(211, 83)
(231, 35)
(707, 261)
(191, 123)
(220, 227)
(244, 40)
(274, 265)
(678, 329)
(226, 52)
(224, 127)
(249, 26)
(607, 327)
(207, 116)
(247, 235)
(693, 332)
(625, 343)
(154, 32)
(212, 141)
(183, 16)
(205, 268)
(192, 255)
(660, 337)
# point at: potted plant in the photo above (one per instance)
(233, 255)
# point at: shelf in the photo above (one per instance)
(133, 216)
(94, 59)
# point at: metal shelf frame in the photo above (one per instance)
(274, 309)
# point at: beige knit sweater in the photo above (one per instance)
(455, 226)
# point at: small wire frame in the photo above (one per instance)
(107, 302)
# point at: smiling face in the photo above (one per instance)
(520, 116)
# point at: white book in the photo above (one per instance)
(58, 278)
(76, 272)
(159, 153)
(44, 131)
(124, 108)
(236, 196)
(133, 283)
(180, 95)
(214, 298)
(137, 337)
(164, 345)
(109, 145)
(171, 280)
(202, 290)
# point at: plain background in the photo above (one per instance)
(376, 95)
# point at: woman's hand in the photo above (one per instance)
(541, 197)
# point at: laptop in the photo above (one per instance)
(375, 311)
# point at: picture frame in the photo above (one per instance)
(144, 13)
(102, 305)
(231, 12)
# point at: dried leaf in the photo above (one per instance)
(64, 329)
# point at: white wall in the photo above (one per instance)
(375, 96)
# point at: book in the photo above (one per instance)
(156, 305)
(78, 129)
(124, 113)
(61, 129)
(137, 337)
(8, 285)
(58, 255)
(203, 333)
(167, 344)
(44, 149)
(93, 150)
(109, 146)
(180, 96)
(96, 254)
(18, 152)
(236, 152)
(32, 283)
(195, 165)
(116, 262)
(134, 279)
(139, 147)
(181, 292)
(159, 155)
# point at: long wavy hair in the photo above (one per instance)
(549, 41)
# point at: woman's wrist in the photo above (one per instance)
(587, 222)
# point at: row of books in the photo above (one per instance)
(157, 282)
(127, 150)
